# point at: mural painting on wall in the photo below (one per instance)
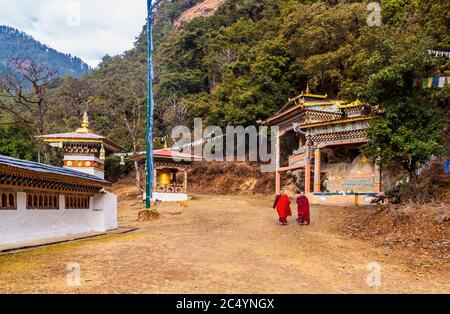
(352, 177)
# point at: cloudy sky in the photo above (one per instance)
(88, 29)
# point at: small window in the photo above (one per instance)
(42, 201)
(8, 200)
(4, 200)
(11, 200)
(77, 202)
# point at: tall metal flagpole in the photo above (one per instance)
(150, 106)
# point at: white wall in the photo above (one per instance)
(89, 170)
(22, 225)
(107, 204)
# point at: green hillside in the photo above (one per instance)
(16, 44)
(243, 63)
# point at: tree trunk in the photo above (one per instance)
(138, 177)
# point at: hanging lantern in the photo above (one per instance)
(122, 160)
(102, 153)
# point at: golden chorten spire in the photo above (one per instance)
(308, 93)
(165, 146)
(84, 124)
(300, 98)
(356, 103)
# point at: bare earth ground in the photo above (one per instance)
(219, 244)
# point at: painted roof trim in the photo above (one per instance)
(303, 108)
(167, 154)
(82, 137)
(339, 121)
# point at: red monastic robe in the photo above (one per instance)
(303, 209)
(282, 204)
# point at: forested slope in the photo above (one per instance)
(16, 44)
(242, 64)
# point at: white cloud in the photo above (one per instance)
(101, 27)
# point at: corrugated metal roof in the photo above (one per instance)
(169, 154)
(47, 169)
(174, 154)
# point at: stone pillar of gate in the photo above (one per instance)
(277, 183)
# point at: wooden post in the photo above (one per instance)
(174, 177)
(277, 183)
(155, 180)
(317, 169)
(308, 167)
(185, 181)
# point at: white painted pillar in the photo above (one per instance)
(62, 202)
(21, 201)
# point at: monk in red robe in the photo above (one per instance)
(282, 205)
(303, 209)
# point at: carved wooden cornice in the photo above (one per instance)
(23, 179)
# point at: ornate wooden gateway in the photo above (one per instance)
(324, 137)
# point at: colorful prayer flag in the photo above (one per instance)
(431, 82)
(435, 82)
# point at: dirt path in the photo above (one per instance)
(219, 244)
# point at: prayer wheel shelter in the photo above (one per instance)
(39, 202)
(319, 140)
(171, 168)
